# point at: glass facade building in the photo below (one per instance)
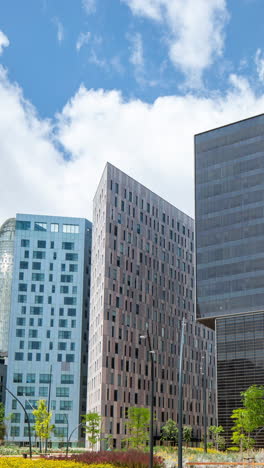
(229, 193)
(7, 235)
(48, 339)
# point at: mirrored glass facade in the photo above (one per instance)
(229, 192)
(230, 219)
(240, 363)
(7, 234)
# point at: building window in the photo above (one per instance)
(41, 244)
(40, 226)
(66, 405)
(38, 277)
(68, 245)
(62, 392)
(19, 356)
(67, 379)
(24, 243)
(31, 378)
(43, 391)
(71, 256)
(54, 227)
(71, 228)
(44, 378)
(23, 225)
(23, 265)
(17, 377)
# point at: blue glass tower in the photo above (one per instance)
(48, 338)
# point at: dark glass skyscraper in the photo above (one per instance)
(229, 173)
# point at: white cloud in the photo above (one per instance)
(136, 57)
(89, 6)
(83, 39)
(4, 41)
(151, 142)
(60, 29)
(259, 60)
(195, 31)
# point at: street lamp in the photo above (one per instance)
(67, 422)
(27, 417)
(203, 370)
(151, 352)
(180, 396)
(69, 436)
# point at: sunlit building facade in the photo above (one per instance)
(143, 277)
(229, 174)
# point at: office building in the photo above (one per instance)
(230, 254)
(143, 276)
(47, 354)
(7, 235)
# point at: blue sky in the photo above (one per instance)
(129, 81)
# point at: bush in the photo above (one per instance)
(129, 459)
(232, 449)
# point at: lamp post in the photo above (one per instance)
(27, 417)
(203, 369)
(151, 352)
(180, 397)
(69, 436)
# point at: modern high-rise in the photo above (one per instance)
(143, 278)
(7, 235)
(229, 163)
(48, 337)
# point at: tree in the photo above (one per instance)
(241, 429)
(92, 427)
(42, 426)
(250, 417)
(215, 434)
(187, 434)
(170, 431)
(138, 426)
(2, 422)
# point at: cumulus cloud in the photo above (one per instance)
(195, 31)
(4, 41)
(60, 29)
(151, 142)
(89, 6)
(83, 39)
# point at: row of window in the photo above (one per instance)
(23, 287)
(67, 300)
(20, 356)
(41, 244)
(43, 227)
(23, 265)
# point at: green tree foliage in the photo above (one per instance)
(187, 434)
(249, 418)
(215, 435)
(92, 427)
(170, 431)
(42, 425)
(138, 427)
(2, 422)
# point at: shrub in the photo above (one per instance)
(129, 459)
(232, 449)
